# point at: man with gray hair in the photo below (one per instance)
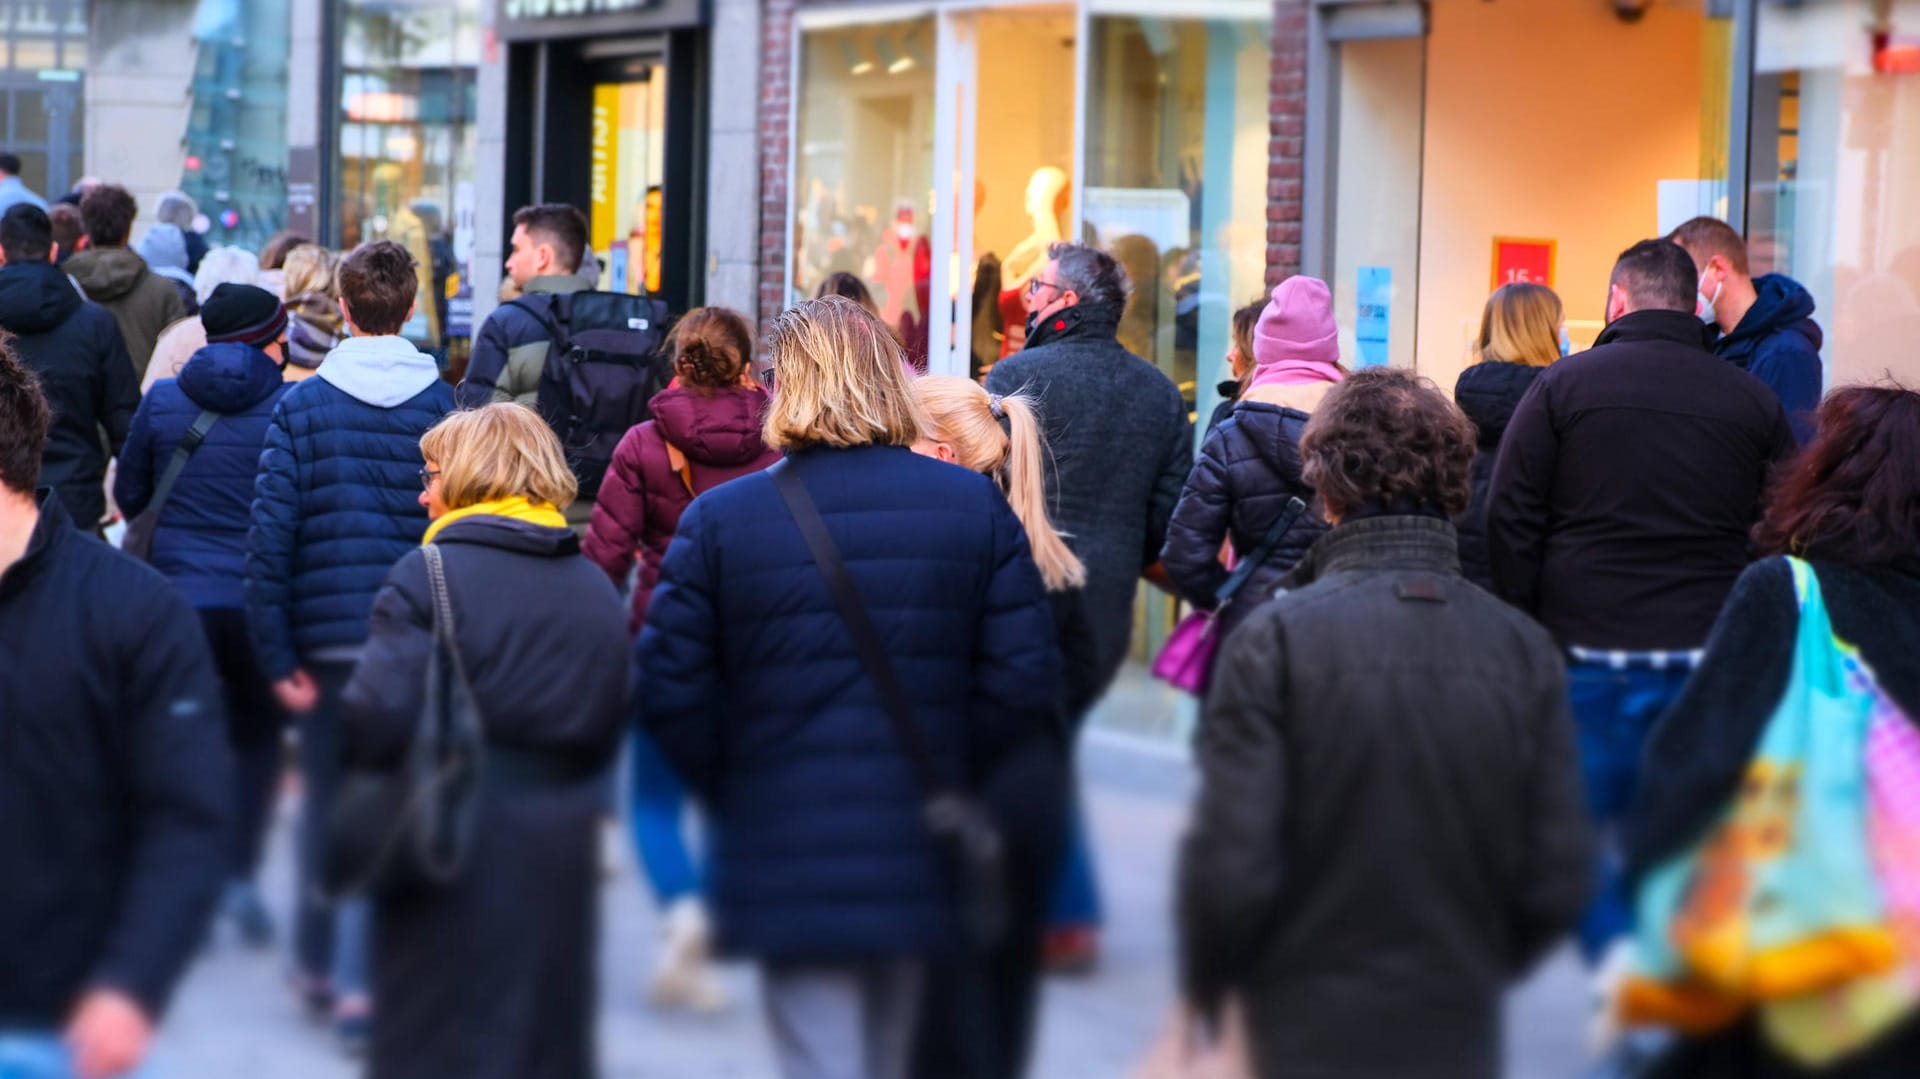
(1122, 448)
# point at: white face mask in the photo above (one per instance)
(1706, 302)
(904, 230)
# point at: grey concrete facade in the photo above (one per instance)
(733, 156)
(490, 211)
(139, 81)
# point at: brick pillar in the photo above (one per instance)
(1286, 138)
(776, 91)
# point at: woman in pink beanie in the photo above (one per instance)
(1249, 466)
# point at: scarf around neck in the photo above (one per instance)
(516, 508)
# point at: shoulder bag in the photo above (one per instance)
(967, 838)
(395, 831)
(1186, 660)
(138, 541)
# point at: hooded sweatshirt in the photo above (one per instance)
(142, 302)
(337, 500)
(164, 248)
(201, 541)
(75, 348)
(1778, 343)
(696, 441)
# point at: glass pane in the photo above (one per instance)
(1376, 220)
(407, 137)
(628, 166)
(1834, 162)
(235, 168)
(863, 174)
(29, 116)
(1176, 182)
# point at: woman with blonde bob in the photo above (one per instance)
(990, 1032)
(753, 684)
(491, 976)
(1521, 332)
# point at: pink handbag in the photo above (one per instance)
(1185, 662)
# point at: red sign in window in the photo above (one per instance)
(1516, 259)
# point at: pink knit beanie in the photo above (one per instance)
(1297, 326)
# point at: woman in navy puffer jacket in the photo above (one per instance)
(201, 539)
(749, 679)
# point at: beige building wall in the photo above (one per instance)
(139, 76)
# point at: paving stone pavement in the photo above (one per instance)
(234, 1019)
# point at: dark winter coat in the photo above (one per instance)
(492, 976)
(1778, 343)
(75, 348)
(1247, 471)
(640, 502)
(510, 351)
(1626, 485)
(1488, 393)
(1390, 827)
(143, 302)
(201, 541)
(336, 504)
(1122, 447)
(749, 680)
(1698, 754)
(114, 778)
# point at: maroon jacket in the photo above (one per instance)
(639, 507)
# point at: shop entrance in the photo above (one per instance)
(1439, 175)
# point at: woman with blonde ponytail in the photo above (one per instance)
(979, 1020)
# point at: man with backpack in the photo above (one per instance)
(587, 361)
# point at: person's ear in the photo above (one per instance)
(944, 451)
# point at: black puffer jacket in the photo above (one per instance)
(1390, 827)
(1487, 393)
(1248, 469)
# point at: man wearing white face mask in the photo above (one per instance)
(1764, 324)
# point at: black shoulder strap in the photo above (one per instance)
(552, 316)
(866, 638)
(189, 442)
(1268, 544)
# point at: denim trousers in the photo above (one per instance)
(656, 819)
(1614, 708)
(330, 939)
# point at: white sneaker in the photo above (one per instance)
(684, 977)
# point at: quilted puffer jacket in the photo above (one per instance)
(201, 540)
(338, 498)
(1248, 469)
(750, 682)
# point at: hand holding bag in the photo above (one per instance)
(963, 831)
(1186, 660)
(413, 828)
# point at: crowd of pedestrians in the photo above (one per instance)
(1484, 672)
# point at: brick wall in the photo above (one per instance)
(1286, 105)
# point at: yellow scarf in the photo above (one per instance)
(517, 508)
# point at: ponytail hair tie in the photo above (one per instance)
(993, 406)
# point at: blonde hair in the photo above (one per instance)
(961, 414)
(498, 451)
(1521, 324)
(309, 269)
(839, 380)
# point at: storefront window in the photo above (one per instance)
(42, 90)
(236, 142)
(408, 140)
(863, 170)
(1834, 163)
(628, 167)
(1176, 171)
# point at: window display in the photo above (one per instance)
(628, 168)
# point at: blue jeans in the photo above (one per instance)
(1613, 710)
(40, 1055)
(656, 810)
(1076, 891)
(330, 939)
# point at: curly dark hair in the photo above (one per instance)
(24, 417)
(1389, 438)
(1853, 494)
(379, 283)
(711, 347)
(108, 211)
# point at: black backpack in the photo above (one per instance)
(605, 361)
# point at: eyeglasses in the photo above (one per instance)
(427, 476)
(1034, 286)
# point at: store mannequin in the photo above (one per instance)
(893, 265)
(1046, 195)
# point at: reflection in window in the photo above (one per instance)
(1834, 162)
(407, 140)
(42, 53)
(863, 176)
(1176, 182)
(236, 142)
(628, 166)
